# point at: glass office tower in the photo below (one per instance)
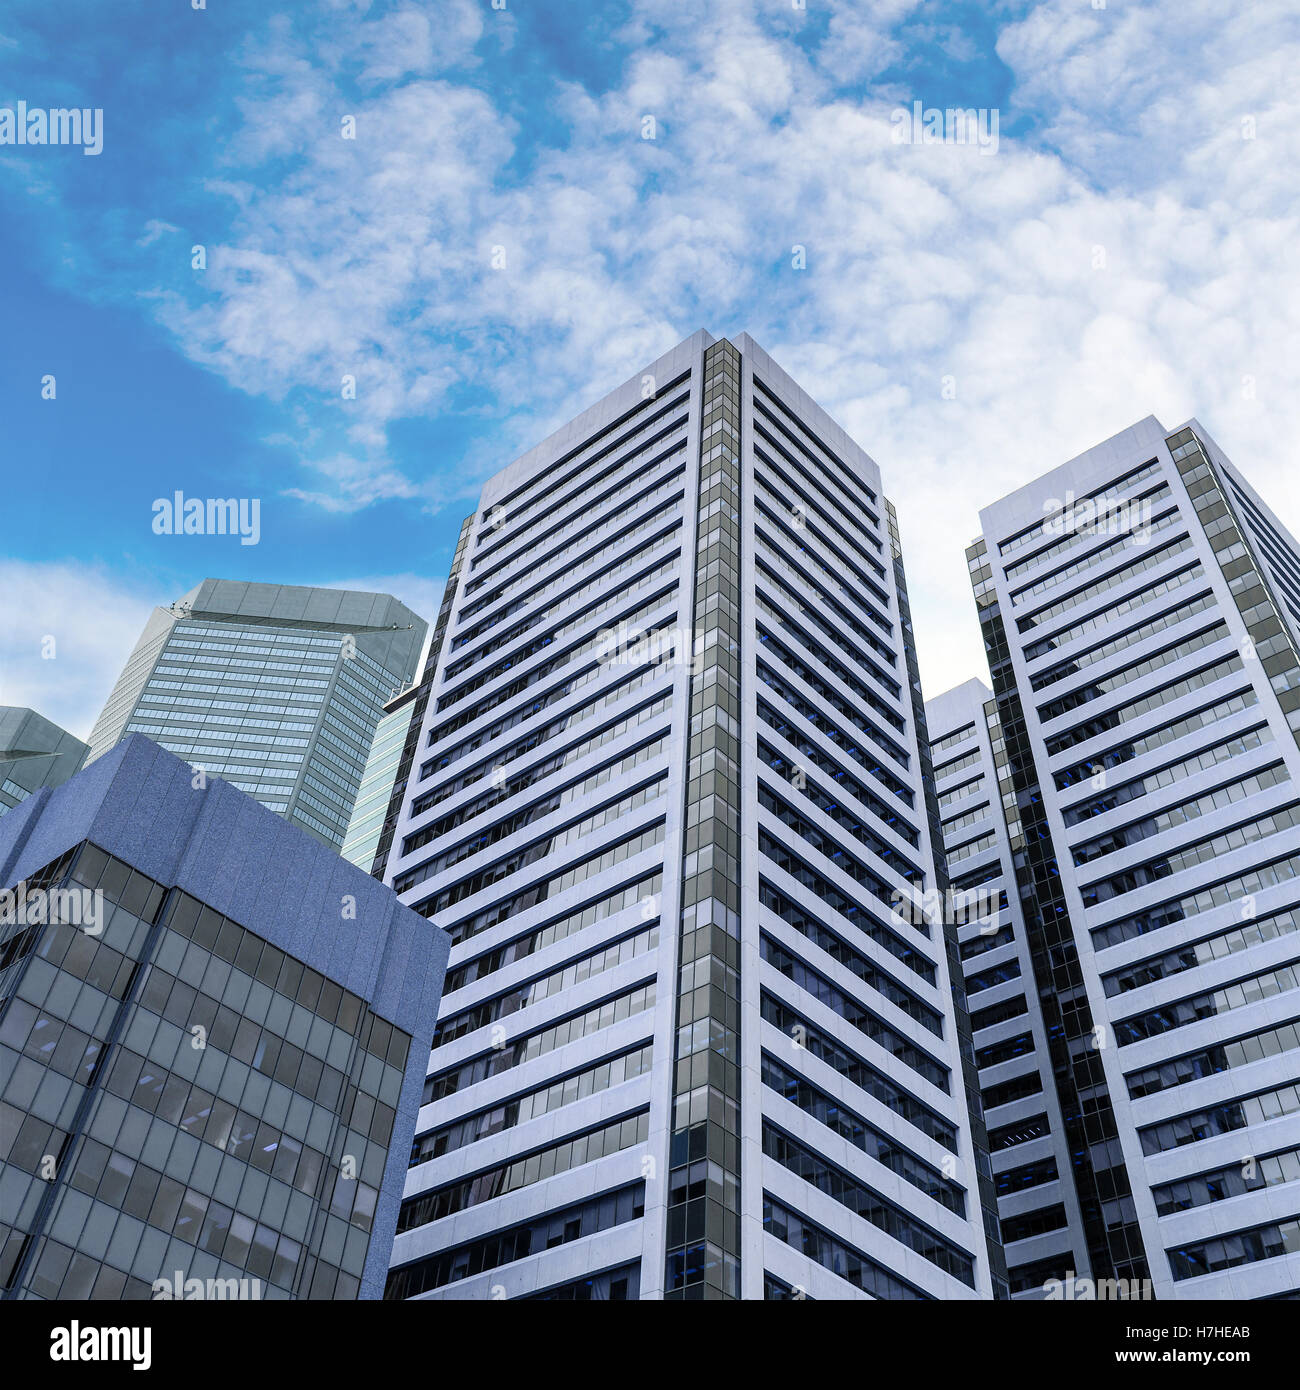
(383, 786)
(1139, 607)
(34, 753)
(276, 688)
(212, 1042)
(669, 801)
(375, 790)
(1030, 1150)
(409, 709)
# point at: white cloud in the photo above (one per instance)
(86, 618)
(1127, 256)
(153, 229)
(409, 41)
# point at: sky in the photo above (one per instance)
(488, 213)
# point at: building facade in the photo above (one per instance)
(276, 688)
(212, 1042)
(666, 796)
(1139, 607)
(34, 753)
(392, 755)
(1029, 1148)
(375, 790)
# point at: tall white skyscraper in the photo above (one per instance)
(668, 792)
(1140, 610)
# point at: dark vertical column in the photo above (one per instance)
(1247, 577)
(703, 1234)
(1101, 1179)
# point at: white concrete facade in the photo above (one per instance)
(1151, 644)
(568, 551)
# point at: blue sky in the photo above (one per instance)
(1159, 134)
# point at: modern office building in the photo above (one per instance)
(1033, 1171)
(1139, 606)
(392, 754)
(669, 800)
(276, 688)
(375, 790)
(34, 753)
(213, 1032)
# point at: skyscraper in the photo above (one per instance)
(1030, 1151)
(375, 790)
(1140, 610)
(34, 753)
(392, 754)
(212, 1043)
(666, 798)
(276, 688)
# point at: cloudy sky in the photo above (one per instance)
(499, 245)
